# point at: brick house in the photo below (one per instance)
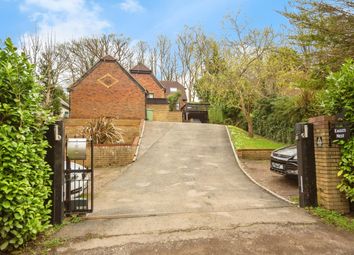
(108, 90)
(157, 107)
(174, 86)
(148, 80)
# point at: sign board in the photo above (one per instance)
(319, 141)
(339, 131)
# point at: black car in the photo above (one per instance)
(284, 161)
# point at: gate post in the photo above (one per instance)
(306, 164)
(55, 158)
(327, 166)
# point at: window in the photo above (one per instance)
(173, 89)
(177, 106)
(151, 95)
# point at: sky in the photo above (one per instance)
(137, 19)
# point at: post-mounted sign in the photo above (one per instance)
(319, 141)
(339, 131)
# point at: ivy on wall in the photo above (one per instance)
(24, 174)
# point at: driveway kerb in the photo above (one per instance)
(249, 176)
(139, 142)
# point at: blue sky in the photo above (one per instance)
(137, 19)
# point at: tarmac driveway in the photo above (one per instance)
(185, 194)
(183, 168)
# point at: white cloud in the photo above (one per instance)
(131, 6)
(65, 19)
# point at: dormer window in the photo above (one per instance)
(173, 89)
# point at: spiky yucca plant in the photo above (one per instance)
(103, 131)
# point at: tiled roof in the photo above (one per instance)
(174, 84)
(140, 68)
(106, 58)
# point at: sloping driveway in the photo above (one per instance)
(183, 168)
(186, 185)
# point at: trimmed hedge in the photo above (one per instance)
(24, 174)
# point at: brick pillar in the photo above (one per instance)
(327, 167)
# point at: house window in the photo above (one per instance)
(177, 106)
(173, 89)
(151, 95)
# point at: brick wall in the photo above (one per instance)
(327, 167)
(130, 128)
(118, 122)
(161, 113)
(257, 154)
(122, 99)
(110, 155)
(150, 84)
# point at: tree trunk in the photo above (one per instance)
(248, 117)
(250, 127)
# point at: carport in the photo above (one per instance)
(195, 111)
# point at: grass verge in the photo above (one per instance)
(333, 218)
(241, 140)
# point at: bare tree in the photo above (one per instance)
(31, 45)
(49, 61)
(153, 59)
(85, 52)
(193, 47)
(170, 69)
(186, 44)
(142, 49)
(164, 47)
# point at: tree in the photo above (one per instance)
(50, 65)
(153, 59)
(193, 48)
(167, 63)
(142, 51)
(239, 82)
(325, 29)
(85, 52)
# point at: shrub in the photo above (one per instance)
(24, 174)
(173, 99)
(215, 114)
(339, 97)
(103, 131)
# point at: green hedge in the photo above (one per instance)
(275, 118)
(216, 115)
(24, 174)
(339, 97)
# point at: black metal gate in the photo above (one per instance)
(78, 180)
